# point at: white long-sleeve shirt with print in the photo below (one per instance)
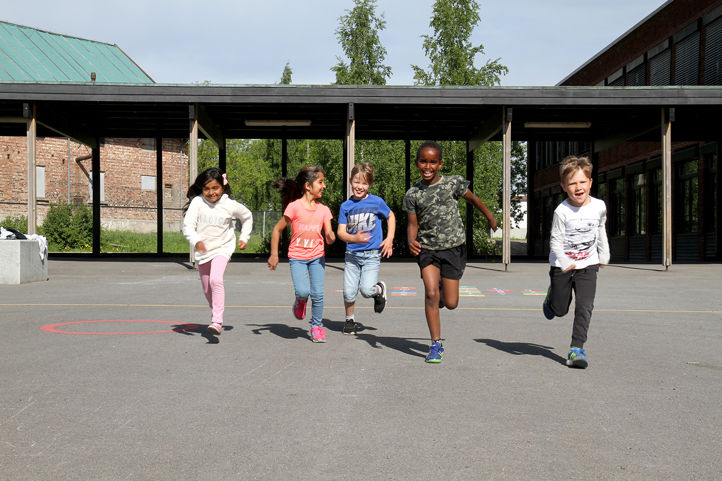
(212, 223)
(579, 235)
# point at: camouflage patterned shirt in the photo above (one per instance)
(437, 211)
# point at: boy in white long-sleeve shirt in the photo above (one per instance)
(578, 247)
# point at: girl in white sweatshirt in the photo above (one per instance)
(208, 226)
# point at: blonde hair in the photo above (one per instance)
(365, 169)
(572, 163)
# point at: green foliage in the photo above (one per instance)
(450, 51)
(67, 227)
(358, 35)
(19, 223)
(286, 75)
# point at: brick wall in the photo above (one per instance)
(126, 205)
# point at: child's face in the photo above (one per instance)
(359, 186)
(429, 164)
(577, 186)
(212, 191)
(317, 187)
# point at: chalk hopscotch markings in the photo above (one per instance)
(532, 292)
(470, 291)
(496, 291)
(403, 291)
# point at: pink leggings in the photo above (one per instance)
(212, 280)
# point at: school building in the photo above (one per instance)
(679, 44)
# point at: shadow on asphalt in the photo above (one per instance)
(404, 345)
(524, 348)
(193, 329)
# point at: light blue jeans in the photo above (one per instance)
(308, 277)
(361, 272)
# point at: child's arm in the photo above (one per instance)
(275, 238)
(412, 229)
(190, 223)
(602, 241)
(472, 199)
(357, 238)
(328, 230)
(246, 217)
(387, 245)
(556, 244)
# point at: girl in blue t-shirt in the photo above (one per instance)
(359, 225)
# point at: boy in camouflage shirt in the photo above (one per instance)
(435, 233)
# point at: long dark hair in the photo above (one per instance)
(293, 189)
(196, 188)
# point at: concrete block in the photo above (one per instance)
(20, 262)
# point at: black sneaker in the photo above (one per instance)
(380, 298)
(350, 326)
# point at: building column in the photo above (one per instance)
(350, 149)
(506, 187)
(667, 117)
(30, 113)
(159, 193)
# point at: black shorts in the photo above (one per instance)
(451, 262)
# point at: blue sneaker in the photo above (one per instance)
(546, 307)
(436, 352)
(577, 358)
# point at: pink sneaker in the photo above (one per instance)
(318, 334)
(299, 309)
(215, 328)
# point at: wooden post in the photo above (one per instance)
(667, 187)
(468, 207)
(30, 113)
(95, 167)
(192, 155)
(350, 148)
(506, 187)
(159, 194)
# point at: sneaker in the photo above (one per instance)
(318, 334)
(351, 326)
(380, 298)
(577, 358)
(215, 328)
(436, 352)
(299, 309)
(546, 307)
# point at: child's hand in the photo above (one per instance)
(387, 247)
(201, 247)
(493, 223)
(415, 247)
(241, 244)
(570, 268)
(273, 262)
(361, 237)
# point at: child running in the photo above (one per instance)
(306, 255)
(208, 226)
(578, 247)
(435, 233)
(359, 226)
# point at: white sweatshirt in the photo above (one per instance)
(213, 224)
(579, 235)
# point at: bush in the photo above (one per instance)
(67, 227)
(19, 223)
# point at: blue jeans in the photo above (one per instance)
(308, 277)
(361, 272)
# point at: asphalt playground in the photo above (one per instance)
(107, 374)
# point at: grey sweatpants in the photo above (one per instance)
(584, 284)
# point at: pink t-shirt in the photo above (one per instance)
(306, 230)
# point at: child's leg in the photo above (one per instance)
(585, 288)
(213, 286)
(561, 295)
(430, 275)
(351, 279)
(370, 274)
(316, 272)
(299, 275)
(450, 291)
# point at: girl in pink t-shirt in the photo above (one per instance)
(310, 222)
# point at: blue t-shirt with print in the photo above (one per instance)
(363, 215)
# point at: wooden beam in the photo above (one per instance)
(506, 187)
(667, 187)
(485, 132)
(159, 194)
(209, 127)
(350, 148)
(30, 113)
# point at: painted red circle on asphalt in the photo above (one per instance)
(179, 327)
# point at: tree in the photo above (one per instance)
(450, 51)
(286, 75)
(358, 35)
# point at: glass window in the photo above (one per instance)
(688, 196)
(659, 68)
(686, 68)
(713, 53)
(639, 204)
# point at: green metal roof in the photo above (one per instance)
(32, 55)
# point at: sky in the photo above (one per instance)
(249, 41)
